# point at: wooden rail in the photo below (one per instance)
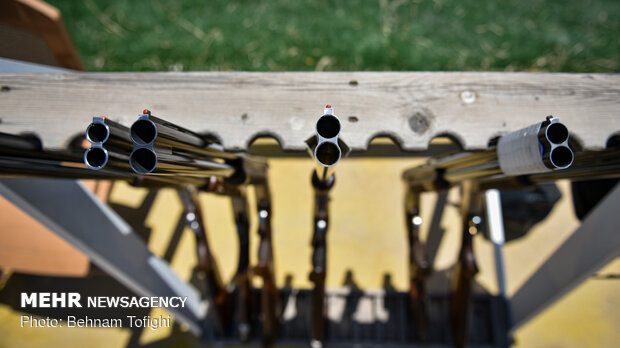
(410, 107)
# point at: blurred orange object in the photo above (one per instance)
(26, 246)
(33, 31)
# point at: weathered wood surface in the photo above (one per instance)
(411, 107)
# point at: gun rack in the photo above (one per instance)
(411, 108)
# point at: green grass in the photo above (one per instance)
(556, 35)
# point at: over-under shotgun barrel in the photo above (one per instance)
(539, 148)
(110, 144)
(325, 147)
(152, 131)
(163, 148)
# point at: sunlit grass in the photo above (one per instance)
(346, 35)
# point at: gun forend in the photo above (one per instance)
(99, 156)
(96, 157)
(538, 148)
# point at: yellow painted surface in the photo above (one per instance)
(150, 336)
(587, 317)
(162, 219)
(367, 237)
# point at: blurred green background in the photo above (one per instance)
(532, 35)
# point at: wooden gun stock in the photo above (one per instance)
(206, 267)
(319, 257)
(270, 300)
(242, 278)
(461, 298)
(419, 266)
(318, 307)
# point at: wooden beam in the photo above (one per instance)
(410, 107)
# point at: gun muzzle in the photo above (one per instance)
(152, 131)
(553, 137)
(102, 130)
(97, 157)
(110, 144)
(325, 147)
(163, 148)
(538, 148)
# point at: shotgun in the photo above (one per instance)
(461, 296)
(327, 149)
(242, 278)
(206, 266)
(419, 267)
(270, 300)
(538, 148)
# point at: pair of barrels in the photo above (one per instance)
(326, 147)
(110, 145)
(535, 149)
(154, 146)
(538, 148)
